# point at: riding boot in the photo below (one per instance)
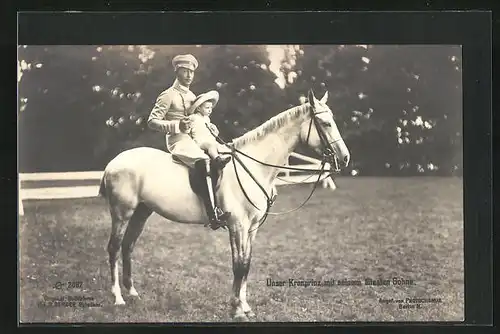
(217, 217)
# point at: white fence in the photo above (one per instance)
(61, 192)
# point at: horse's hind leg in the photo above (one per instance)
(120, 216)
(134, 230)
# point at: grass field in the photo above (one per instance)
(411, 228)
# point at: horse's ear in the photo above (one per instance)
(324, 98)
(311, 97)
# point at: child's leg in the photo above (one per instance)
(211, 149)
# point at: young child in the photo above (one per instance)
(203, 131)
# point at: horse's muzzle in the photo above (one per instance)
(336, 165)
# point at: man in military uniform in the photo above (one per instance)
(170, 116)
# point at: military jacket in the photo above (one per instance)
(171, 106)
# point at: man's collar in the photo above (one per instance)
(177, 85)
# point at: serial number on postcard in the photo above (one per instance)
(68, 285)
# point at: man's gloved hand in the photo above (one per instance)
(185, 125)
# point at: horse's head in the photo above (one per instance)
(321, 134)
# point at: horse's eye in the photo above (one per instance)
(327, 124)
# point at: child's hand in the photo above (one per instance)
(213, 129)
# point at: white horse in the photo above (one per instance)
(140, 181)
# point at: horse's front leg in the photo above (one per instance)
(241, 248)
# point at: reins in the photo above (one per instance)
(328, 154)
(269, 200)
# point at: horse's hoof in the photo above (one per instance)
(250, 314)
(133, 292)
(241, 318)
(119, 302)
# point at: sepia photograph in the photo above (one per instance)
(250, 182)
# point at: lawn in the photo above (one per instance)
(409, 228)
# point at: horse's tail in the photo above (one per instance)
(102, 187)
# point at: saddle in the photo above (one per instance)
(197, 181)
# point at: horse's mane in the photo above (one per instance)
(271, 125)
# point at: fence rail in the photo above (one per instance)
(69, 191)
(69, 176)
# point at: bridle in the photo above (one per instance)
(328, 156)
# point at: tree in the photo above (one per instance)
(81, 105)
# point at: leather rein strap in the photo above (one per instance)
(328, 155)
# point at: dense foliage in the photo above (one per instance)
(399, 108)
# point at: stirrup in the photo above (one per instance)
(216, 224)
(220, 219)
(221, 215)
